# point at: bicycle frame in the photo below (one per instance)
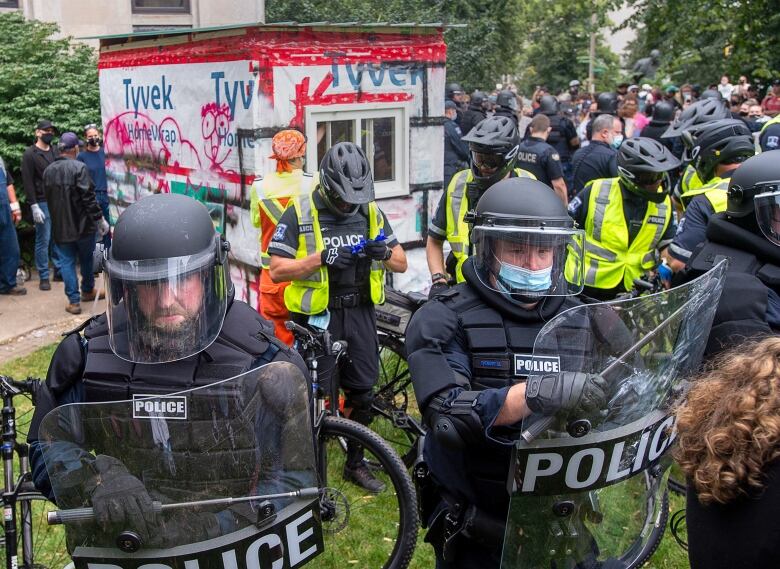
(12, 487)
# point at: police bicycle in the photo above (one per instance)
(218, 476)
(589, 490)
(396, 415)
(370, 530)
(22, 503)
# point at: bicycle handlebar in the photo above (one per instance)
(10, 385)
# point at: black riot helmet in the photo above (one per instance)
(494, 145)
(755, 188)
(663, 112)
(700, 112)
(726, 141)
(526, 245)
(607, 103)
(478, 98)
(711, 94)
(548, 105)
(643, 167)
(346, 182)
(167, 279)
(507, 99)
(452, 89)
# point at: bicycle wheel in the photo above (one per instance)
(655, 523)
(396, 416)
(361, 528)
(48, 543)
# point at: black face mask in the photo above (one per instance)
(743, 114)
(93, 141)
(47, 138)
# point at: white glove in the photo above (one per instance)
(38, 215)
(103, 227)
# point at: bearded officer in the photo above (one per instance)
(172, 324)
(470, 350)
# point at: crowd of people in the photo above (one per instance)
(67, 192)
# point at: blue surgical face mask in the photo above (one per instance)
(516, 278)
(617, 141)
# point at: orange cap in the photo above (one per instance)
(287, 144)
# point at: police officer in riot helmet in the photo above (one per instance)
(662, 117)
(563, 136)
(748, 235)
(475, 112)
(506, 105)
(494, 145)
(455, 93)
(606, 104)
(172, 323)
(462, 347)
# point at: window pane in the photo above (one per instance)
(9, 3)
(333, 132)
(383, 131)
(162, 6)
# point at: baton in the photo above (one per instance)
(84, 514)
(536, 429)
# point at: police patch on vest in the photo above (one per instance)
(526, 364)
(281, 229)
(656, 219)
(306, 228)
(159, 407)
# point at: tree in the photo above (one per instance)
(477, 55)
(41, 77)
(556, 41)
(700, 41)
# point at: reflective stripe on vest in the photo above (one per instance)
(689, 185)
(310, 294)
(273, 207)
(609, 259)
(457, 207)
(775, 120)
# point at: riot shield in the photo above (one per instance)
(221, 475)
(589, 491)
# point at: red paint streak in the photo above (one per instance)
(298, 47)
(303, 99)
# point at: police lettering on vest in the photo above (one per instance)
(527, 364)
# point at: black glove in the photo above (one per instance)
(566, 393)
(338, 257)
(436, 288)
(378, 250)
(121, 501)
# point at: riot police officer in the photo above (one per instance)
(172, 323)
(663, 114)
(506, 106)
(627, 219)
(719, 149)
(494, 145)
(541, 159)
(748, 235)
(454, 92)
(475, 112)
(563, 136)
(335, 245)
(467, 352)
(606, 104)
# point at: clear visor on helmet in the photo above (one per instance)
(529, 261)
(767, 207)
(163, 310)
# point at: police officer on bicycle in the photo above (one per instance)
(470, 350)
(172, 324)
(335, 245)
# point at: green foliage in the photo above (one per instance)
(477, 55)
(41, 77)
(700, 41)
(556, 43)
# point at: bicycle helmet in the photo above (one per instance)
(725, 141)
(494, 146)
(346, 182)
(643, 165)
(699, 112)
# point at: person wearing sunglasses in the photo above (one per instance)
(719, 148)
(493, 146)
(627, 219)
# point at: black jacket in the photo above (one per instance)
(34, 162)
(70, 194)
(471, 117)
(597, 160)
(456, 152)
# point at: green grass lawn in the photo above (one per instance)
(50, 548)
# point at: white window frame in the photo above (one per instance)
(356, 112)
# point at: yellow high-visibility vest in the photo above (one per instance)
(457, 207)
(689, 184)
(310, 294)
(609, 259)
(716, 191)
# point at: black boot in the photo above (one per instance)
(356, 470)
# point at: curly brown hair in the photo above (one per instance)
(729, 425)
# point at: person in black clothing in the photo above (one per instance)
(606, 104)
(563, 137)
(728, 446)
(663, 115)
(34, 161)
(454, 92)
(456, 152)
(599, 158)
(541, 159)
(506, 106)
(475, 113)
